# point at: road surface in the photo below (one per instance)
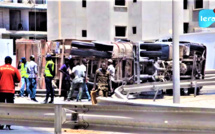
(206, 99)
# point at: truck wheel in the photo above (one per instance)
(80, 44)
(103, 46)
(150, 53)
(80, 52)
(185, 91)
(101, 54)
(152, 46)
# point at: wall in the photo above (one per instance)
(52, 19)
(119, 17)
(134, 13)
(157, 19)
(73, 19)
(7, 46)
(153, 19)
(99, 20)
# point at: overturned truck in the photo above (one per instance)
(142, 62)
(155, 62)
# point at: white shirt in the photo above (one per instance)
(79, 74)
(83, 68)
(111, 69)
(32, 69)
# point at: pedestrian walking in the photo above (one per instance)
(9, 75)
(77, 82)
(32, 75)
(22, 65)
(102, 77)
(66, 78)
(49, 75)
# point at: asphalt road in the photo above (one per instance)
(206, 99)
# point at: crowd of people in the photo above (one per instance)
(74, 78)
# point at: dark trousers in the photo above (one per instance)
(49, 88)
(6, 98)
(65, 88)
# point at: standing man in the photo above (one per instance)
(111, 69)
(84, 69)
(103, 78)
(8, 76)
(49, 75)
(77, 83)
(24, 75)
(32, 75)
(66, 78)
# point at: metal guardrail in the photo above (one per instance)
(156, 86)
(34, 115)
(211, 71)
(135, 118)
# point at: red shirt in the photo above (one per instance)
(8, 76)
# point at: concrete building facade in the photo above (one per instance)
(108, 20)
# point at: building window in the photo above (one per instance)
(120, 31)
(37, 21)
(15, 19)
(134, 1)
(186, 27)
(84, 3)
(120, 2)
(134, 29)
(40, 1)
(198, 3)
(19, 1)
(84, 33)
(185, 4)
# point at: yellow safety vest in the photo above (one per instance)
(47, 71)
(24, 70)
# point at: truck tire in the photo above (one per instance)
(152, 47)
(194, 47)
(101, 54)
(150, 54)
(80, 52)
(103, 46)
(80, 44)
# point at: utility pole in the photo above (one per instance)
(176, 69)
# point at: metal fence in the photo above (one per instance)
(135, 118)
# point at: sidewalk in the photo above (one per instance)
(206, 99)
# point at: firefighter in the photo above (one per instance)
(49, 75)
